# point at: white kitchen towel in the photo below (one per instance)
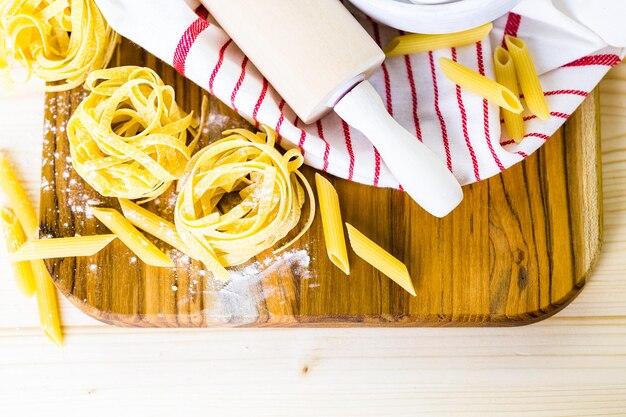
(462, 128)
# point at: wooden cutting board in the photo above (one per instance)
(517, 250)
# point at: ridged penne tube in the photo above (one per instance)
(49, 316)
(153, 224)
(380, 259)
(417, 42)
(528, 78)
(505, 75)
(25, 213)
(15, 237)
(18, 200)
(132, 238)
(481, 85)
(66, 247)
(332, 223)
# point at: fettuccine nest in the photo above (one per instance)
(128, 138)
(240, 197)
(58, 41)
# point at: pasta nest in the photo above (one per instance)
(240, 197)
(55, 40)
(128, 137)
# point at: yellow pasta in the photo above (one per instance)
(49, 316)
(153, 224)
(332, 224)
(67, 247)
(380, 259)
(18, 200)
(239, 198)
(505, 75)
(128, 138)
(25, 213)
(15, 237)
(480, 85)
(528, 78)
(132, 238)
(416, 42)
(59, 41)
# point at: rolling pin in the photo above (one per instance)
(318, 57)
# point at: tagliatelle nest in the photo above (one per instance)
(58, 41)
(240, 197)
(128, 137)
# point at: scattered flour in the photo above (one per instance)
(239, 300)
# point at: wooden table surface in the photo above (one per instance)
(573, 364)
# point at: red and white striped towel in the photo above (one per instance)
(460, 127)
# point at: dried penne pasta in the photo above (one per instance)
(25, 213)
(380, 259)
(417, 42)
(153, 224)
(49, 316)
(332, 224)
(66, 247)
(528, 78)
(481, 85)
(15, 237)
(18, 200)
(166, 232)
(505, 75)
(131, 237)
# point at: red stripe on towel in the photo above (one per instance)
(528, 135)
(320, 133)
(388, 97)
(242, 76)
(348, 140)
(202, 12)
(468, 142)
(416, 118)
(186, 42)
(386, 76)
(552, 113)
(281, 119)
(565, 92)
(442, 122)
(512, 26)
(220, 61)
(607, 60)
(302, 136)
(481, 70)
(259, 102)
(377, 167)
(537, 135)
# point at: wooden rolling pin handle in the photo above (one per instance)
(422, 175)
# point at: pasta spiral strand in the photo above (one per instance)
(239, 198)
(56, 40)
(128, 138)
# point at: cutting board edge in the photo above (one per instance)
(373, 321)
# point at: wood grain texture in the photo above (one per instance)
(518, 249)
(573, 364)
